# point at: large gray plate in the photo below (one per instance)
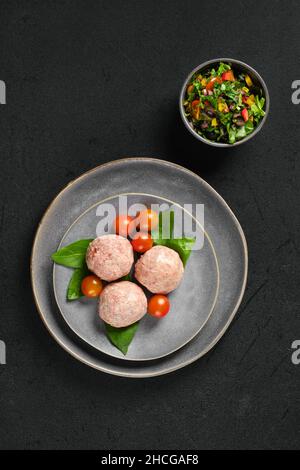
(168, 181)
(191, 303)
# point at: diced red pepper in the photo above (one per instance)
(245, 114)
(228, 76)
(212, 82)
(244, 99)
(196, 109)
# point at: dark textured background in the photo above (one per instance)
(89, 82)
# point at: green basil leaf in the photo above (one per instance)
(128, 277)
(72, 256)
(74, 287)
(168, 218)
(121, 337)
(183, 246)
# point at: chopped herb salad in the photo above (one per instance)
(223, 105)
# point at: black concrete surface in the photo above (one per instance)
(93, 81)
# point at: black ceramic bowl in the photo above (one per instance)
(240, 67)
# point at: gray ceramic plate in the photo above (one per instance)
(191, 303)
(169, 181)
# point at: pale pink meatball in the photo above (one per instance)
(110, 257)
(122, 303)
(160, 270)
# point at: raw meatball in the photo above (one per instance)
(122, 303)
(160, 270)
(109, 257)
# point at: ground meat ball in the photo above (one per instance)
(122, 303)
(160, 270)
(110, 257)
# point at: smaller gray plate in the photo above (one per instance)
(191, 303)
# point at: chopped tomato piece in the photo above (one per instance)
(212, 82)
(228, 76)
(245, 114)
(196, 109)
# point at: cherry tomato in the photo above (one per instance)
(196, 109)
(148, 220)
(121, 225)
(142, 242)
(158, 306)
(245, 114)
(212, 82)
(228, 76)
(91, 286)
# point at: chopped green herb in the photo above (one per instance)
(223, 105)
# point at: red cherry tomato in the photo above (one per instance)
(121, 225)
(148, 220)
(245, 114)
(212, 82)
(91, 286)
(228, 76)
(158, 305)
(142, 242)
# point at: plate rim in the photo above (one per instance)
(216, 290)
(223, 203)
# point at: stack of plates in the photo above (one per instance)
(202, 307)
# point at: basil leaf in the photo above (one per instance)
(166, 222)
(121, 337)
(128, 277)
(72, 256)
(74, 287)
(183, 246)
